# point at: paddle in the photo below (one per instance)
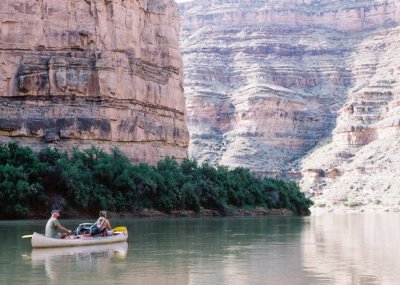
(27, 236)
(120, 229)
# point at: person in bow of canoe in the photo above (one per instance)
(53, 226)
(103, 225)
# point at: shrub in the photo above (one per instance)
(19, 169)
(287, 194)
(92, 179)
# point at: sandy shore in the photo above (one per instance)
(361, 209)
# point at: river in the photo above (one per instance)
(343, 249)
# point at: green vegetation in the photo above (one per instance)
(92, 179)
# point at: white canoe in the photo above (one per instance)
(41, 241)
(117, 250)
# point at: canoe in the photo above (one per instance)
(118, 250)
(41, 241)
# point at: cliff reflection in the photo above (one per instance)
(234, 251)
(356, 249)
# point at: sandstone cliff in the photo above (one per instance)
(306, 89)
(361, 165)
(93, 72)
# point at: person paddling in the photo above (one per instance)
(53, 226)
(103, 225)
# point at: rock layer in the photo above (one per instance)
(104, 73)
(360, 165)
(305, 89)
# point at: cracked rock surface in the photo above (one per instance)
(103, 73)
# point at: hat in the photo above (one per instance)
(55, 211)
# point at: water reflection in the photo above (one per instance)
(331, 249)
(353, 249)
(220, 251)
(59, 261)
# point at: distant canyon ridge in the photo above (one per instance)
(305, 89)
(106, 73)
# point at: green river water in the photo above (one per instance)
(321, 249)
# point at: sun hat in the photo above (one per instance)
(55, 211)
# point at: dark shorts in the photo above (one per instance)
(98, 231)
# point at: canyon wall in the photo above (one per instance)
(106, 73)
(360, 165)
(305, 89)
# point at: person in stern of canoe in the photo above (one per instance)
(53, 226)
(103, 225)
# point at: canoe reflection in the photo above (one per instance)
(96, 258)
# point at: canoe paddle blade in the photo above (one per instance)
(26, 236)
(120, 229)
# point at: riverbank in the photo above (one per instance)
(152, 213)
(361, 209)
(148, 213)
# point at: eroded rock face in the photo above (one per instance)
(269, 82)
(364, 145)
(104, 73)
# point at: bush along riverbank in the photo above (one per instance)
(83, 182)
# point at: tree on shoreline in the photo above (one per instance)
(92, 179)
